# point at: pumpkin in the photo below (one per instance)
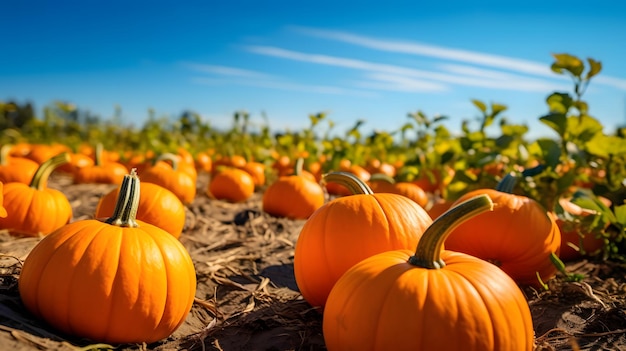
(518, 235)
(428, 299)
(117, 281)
(382, 183)
(203, 162)
(43, 152)
(166, 173)
(3, 211)
(231, 184)
(157, 206)
(293, 196)
(326, 247)
(14, 168)
(257, 171)
(577, 238)
(34, 209)
(102, 171)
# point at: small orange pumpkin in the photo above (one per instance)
(166, 173)
(378, 222)
(382, 183)
(293, 196)
(34, 209)
(137, 279)
(428, 299)
(157, 206)
(15, 169)
(231, 184)
(102, 171)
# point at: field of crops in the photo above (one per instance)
(285, 235)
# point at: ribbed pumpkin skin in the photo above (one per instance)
(18, 169)
(33, 212)
(385, 303)
(349, 229)
(231, 184)
(518, 235)
(177, 181)
(107, 173)
(109, 283)
(157, 206)
(293, 197)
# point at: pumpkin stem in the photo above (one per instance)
(127, 202)
(428, 252)
(382, 177)
(297, 170)
(4, 154)
(98, 154)
(355, 184)
(168, 156)
(40, 178)
(507, 184)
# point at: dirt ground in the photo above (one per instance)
(247, 298)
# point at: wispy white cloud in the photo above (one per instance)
(281, 85)
(419, 49)
(392, 82)
(465, 56)
(226, 71)
(520, 84)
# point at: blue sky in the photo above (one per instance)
(374, 61)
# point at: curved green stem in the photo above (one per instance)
(127, 202)
(98, 154)
(428, 252)
(350, 181)
(382, 177)
(40, 178)
(4, 154)
(168, 156)
(299, 166)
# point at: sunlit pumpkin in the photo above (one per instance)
(428, 299)
(167, 173)
(34, 209)
(349, 229)
(293, 196)
(231, 184)
(103, 171)
(119, 280)
(382, 183)
(15, 168)
(157, 206)
(518, 235)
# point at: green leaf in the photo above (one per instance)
(480, 105)
(594, 68)
(559, 102)
(584, 127)
(620, 215)
(556, 121)
(550, 152)
(568, 62)
(605, 145)
(497, 108)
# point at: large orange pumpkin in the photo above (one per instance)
(34, 209)
(428, 299)
(349, 229)
(518, 235)
(117, 281)
(157, 206)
